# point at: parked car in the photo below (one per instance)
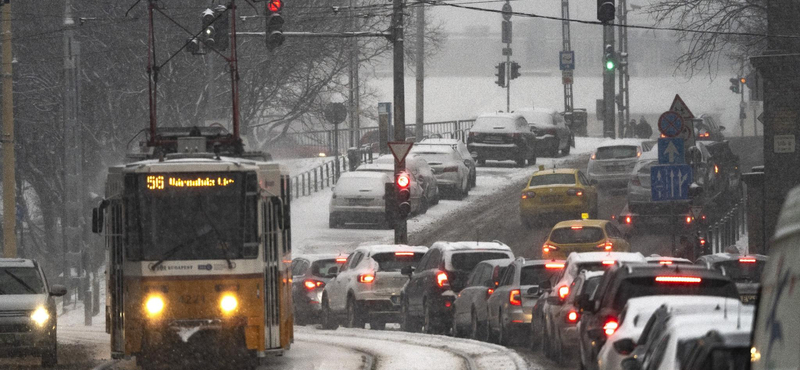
(367, 289)
(460, 147)
(707, 128)
(636, 315)
(744, 270)
(601, 313)
(469, 312)
(510, 306)
(558, 194)
(420, 171)
(583, 236)
(560, 331)
(358, 197)
(28, 315)
(667, 260)
(778, 302)
(552, 134)
(310, 274)
(452, 174)
(611, 164)
(502, 136)
(433, 284)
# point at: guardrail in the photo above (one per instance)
(726, 231)
(324, 175)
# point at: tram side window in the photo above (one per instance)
(250, 245)
(133, 234)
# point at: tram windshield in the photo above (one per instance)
(187, 217)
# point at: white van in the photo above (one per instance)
(776, 335)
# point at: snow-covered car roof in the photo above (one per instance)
(16, 262)
(364, 174)
(544, 262)
(659, 259)
(320, 256)
(375, 167)
(467, 245)
(391, 248)
(431, 149)
(576, 257)
(720, 257)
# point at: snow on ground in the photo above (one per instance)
(311, 234)
(400, 350)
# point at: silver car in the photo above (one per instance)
(27, 311)
(310, 274)
(417, 167)
(358, 197)
(469, 314)
(612, 163)
(448, 167)
(460, 147)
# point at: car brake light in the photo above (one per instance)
(628, 220)
(450, 169)
(341, 259)
(514, 298)
(573, 316)
(678, 279)
(313, 284)
(554, 265)
(689, 219)
(549, 247)
(607, 245)
(716, 169)
(610, 327)
(441, 280)
(403, 253)
(594, 155)
(747, 260)
(366, 278)
(608, 262)
(528, 194)
(703, 240)
(563, 291)
(665, 262)
(575, 192)
(489, 292)
(576, 227)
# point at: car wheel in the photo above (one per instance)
(423, 205)
(473, 178)
(333, 221)
(535, 336)
(436, 197)
(408, 323)
(429, 325)
(354, 316)
(558, 351)
(50, 357)
(478, 328)
(521, 161)
(503, 334)
(377, 325)
(455, 329)
(569, 146)
(327, 320)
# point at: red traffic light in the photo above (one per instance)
(274, 6)
(402, 181)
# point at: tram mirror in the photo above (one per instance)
(97, 220)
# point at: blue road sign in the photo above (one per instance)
(670, 151)
(566, 60)
(670, 123)
(670, 182)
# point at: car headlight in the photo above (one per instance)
(228, 303)
(40, 316)
(154, 305)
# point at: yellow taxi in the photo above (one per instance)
(583, 236)
(564, 193)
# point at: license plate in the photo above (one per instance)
(659, 220)
(748, 298)
(551, 198)
(494, 138)
(359, 202)
(615, 168)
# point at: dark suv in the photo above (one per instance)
(502, 136)
(428, 297)
(600, 314)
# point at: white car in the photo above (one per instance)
(590, 261)
(460, 147)
(613, 161)
(638, 311)
(418, 168)
(359, 197)
(367, 288)
(448, 167)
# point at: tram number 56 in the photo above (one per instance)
(192, 299)
(155, 182)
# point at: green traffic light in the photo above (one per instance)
(609, 65)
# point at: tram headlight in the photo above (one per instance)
(228, 303)
(40, 316)
(154, 305)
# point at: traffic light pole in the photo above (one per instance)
(608, 86)
(9, 176)
(400, 226)
(508, 78)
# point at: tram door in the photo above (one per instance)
(114, 234)
(272, 275)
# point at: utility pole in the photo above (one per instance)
(354, 83)
(9, 176)
(506, 38)
(401, 226)
(419, 132)
(567, 48)
(622, 65)
(608, 84)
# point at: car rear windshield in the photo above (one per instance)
(393, 261)
(20, 280)
(553, 179)
(616, 152)
(647, 286)
(594, 266)
(322, 268)
(742, 272)
(569, 235)
(533, 275)
(466, 261)
(493, 123)
(434, 157)
(360, 183)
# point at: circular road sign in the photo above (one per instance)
(507, 11)
(670, 123)
(335, 113)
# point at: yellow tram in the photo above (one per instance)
(198, 252)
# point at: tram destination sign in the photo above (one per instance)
(156, 182)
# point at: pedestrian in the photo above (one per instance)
(643, 129)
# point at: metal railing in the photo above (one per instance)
(324, 175)
(726, 231)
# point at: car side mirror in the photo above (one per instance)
(595, 334)
(631, 363)
(57, 290)
(407, 270)
(624, 346)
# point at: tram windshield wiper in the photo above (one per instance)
(203, 232)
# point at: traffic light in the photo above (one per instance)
(403, 184)
(743, 80)
(501, 74)
(734, 85)
(275, 21)
(514, 71)
(608, 58)
(216, 28)
(605, 10)
(193, 45)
